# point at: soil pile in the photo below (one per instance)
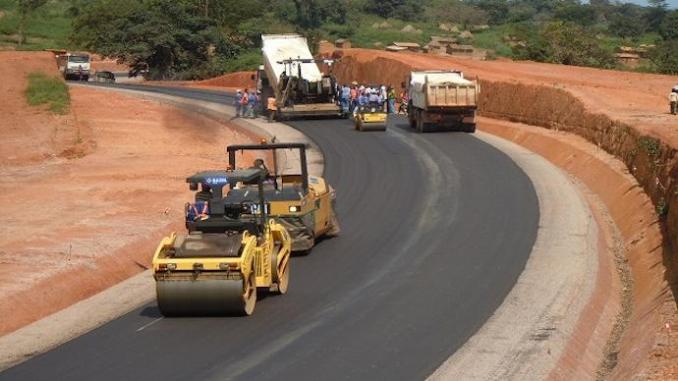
(237, 80)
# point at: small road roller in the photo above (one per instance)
(304, 204)
(371, 117)
(231, 250)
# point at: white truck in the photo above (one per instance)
(442, 100)
(74, 66)
(291, 74)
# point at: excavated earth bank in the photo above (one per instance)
(86, 196)
(621, 114)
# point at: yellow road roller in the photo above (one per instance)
(231, 250)
(371, 117)
(303, 203)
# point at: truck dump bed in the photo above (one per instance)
(292, 76)
(442, 89)
(279, 47)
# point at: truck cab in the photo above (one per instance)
(74, 66)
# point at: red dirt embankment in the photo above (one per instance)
(52, 135)
(238, 80)
(76, 221)
(623, 113)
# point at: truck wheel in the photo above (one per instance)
(469, 127)
(420, 121)
(411, 115)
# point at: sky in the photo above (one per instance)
(673, 4)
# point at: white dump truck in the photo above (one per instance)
(74, 66)
(442, 100)
(291, 74)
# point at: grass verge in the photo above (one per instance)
(43, 89)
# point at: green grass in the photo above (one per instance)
(365, 36)
(43, 89)
(493, 39)
(248, 60)
(48, 27)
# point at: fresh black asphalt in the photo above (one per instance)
(436, 228)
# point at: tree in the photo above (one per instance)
(26, 8)
(656, 13)
(570, 44)
(563, 43)
(668, 29)
(627, 21)
(497, 10)
(402, 9)
(159, 35)
(665, 56)
(457, 12)
(384, 8)
(582, 14)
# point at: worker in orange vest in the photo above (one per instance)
(272, 108)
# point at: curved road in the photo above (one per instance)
(436, 228)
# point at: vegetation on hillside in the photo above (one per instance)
(43, 89)
(198, 38)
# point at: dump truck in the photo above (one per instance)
(74, 65)
(291, 74)
(442, 100)
(232, 248)
(303, 203)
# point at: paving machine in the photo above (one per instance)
(291, 74)
(232, 249)
(371, 118)
(304, 204)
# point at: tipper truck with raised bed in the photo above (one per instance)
(291, 74)
(442, 100)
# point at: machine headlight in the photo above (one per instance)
(295, 209)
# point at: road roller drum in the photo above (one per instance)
(227, 255)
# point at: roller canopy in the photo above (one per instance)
(221, 178)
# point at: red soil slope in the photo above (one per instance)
(625, 114)
(86, 196)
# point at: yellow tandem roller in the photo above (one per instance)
(371, 118)
(230, 251)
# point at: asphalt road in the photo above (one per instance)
(436, 228)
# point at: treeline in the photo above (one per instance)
(198, 38)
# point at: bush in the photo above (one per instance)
(43, 89)
(665, 57)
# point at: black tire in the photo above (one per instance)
(469, 127)
(411, 112)
(420, 121)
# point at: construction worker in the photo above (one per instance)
(404, 100)
(236, 103)
(673, 101)
(244, 102)
(383, 96)
(205, 193)
(252, 105)
(391, 100)
(272, 108)
(345, 98)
